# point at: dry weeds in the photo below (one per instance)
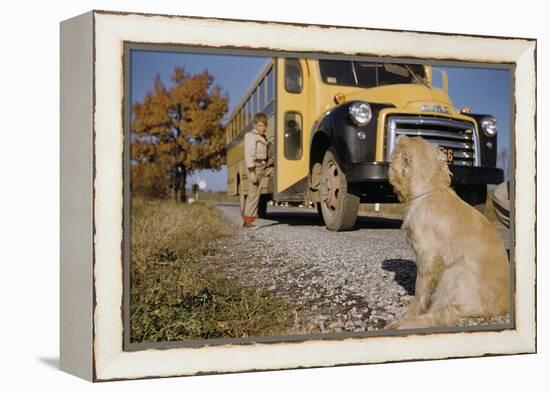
(174, 296)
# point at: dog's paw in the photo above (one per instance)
(393, 325)
(416, 322)
(409, 323)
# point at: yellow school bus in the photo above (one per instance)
(333, 125)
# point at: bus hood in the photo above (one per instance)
(402, 96)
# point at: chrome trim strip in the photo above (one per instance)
(392, 127)
(463, 154)
(433, 121)
(445, 134)
(454, 145)
(462, 163)
(477, 157)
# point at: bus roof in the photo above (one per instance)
(251, 88)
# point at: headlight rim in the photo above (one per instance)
(353, 109)
(486, 122)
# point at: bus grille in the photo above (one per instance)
(457, 135)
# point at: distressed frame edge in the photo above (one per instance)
(304, 24)
(526, 339)
(525, 223)
(76, 197)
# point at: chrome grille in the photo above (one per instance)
(447, 133)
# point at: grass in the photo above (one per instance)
(174, 296)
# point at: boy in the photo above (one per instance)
(255, 158)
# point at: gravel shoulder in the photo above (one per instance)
(339, 281)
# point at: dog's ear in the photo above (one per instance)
(401, 144)
(441, 156)
(399, 171)
(401, 153)
(405, 160)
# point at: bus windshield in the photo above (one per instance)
(369, 74)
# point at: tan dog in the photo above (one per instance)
(462, 265)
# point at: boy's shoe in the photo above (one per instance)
(250, 225)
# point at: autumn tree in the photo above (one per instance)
(177, 130)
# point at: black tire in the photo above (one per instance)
(262, 205)
(320, 212)
(339, 200)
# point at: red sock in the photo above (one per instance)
(248, 219)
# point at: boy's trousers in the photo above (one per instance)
(254, 190)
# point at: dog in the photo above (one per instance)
(462, 264)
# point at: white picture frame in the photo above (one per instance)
(92, 145)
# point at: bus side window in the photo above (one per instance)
(293, 136)
(261, 95)
(270, 93)
(254, 99)
(293, 76)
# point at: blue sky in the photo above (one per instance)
(484, 90)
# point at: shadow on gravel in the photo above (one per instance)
(298, 218)
(378, 223)
(310, 217)
(295, 218)
(405, 273)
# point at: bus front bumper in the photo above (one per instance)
(378, 172)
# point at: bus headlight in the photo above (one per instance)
(489, 125)
(360, 113)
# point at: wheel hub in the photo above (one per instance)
(330, 187)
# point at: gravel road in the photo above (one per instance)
(339, 281)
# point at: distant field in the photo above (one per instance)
(214, 196)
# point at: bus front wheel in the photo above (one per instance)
(339, 199)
